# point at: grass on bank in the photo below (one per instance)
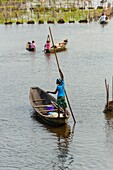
(12, 13)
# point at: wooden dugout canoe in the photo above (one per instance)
(103, 22)
(28, 47)
(31, 49)
(61, 46)
(43, 104)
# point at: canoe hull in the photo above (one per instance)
(57, 50)
(50, 121)
(61, 46)
(103, 22)
(39, 98)
(31, 49)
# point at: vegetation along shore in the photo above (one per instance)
(30, 12)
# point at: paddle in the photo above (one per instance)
(59, 72)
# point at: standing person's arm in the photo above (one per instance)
(52, 92)
(61, 74)
(100, 18)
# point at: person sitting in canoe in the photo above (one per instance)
(28, 45)
(33, 45)
(62, 43)
(60, 94)
(47, 45)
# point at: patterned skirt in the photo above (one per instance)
(61, 102)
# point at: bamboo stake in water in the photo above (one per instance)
(59, 69)
(112, 88)
(107, 94)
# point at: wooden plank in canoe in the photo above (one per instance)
(39, 106)
(37, 100)
(45, 111)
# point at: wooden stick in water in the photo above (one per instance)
(112, 88)
(107, 94)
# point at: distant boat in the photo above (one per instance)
(28, 47)
(61, 46)
(104, 22)
(103, 19)
(46, 107)
(31, 49)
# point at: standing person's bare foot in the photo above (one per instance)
(58, 115)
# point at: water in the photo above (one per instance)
(25, 143)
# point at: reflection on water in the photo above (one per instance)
(60, 132)
(64, 158)
(103, 25)
(48, 55)
(109, 120)
(63, 138)
(109, 129)
(64, 131)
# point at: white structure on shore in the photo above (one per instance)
(72, 3)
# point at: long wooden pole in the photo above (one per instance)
(59, 69)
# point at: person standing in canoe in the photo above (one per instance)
(47, 45)
(60, 93)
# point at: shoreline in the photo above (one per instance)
(41, 15)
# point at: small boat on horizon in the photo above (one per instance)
(103, 19)
(104, 22)
(31, 46)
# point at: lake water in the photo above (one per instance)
(25, 143)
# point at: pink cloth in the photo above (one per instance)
(47, 46)
(33, 45)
